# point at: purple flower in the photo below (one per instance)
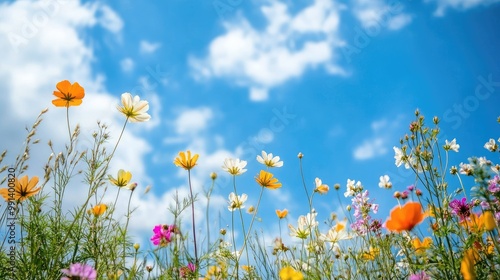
(162, 234)
(419, 276)
(79, 271)
(494, 184)
(460, 208)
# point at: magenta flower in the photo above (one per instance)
(460, 208)
(188, 270)
(79, 271)
(162, 234)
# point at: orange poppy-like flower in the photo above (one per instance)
(99, 209)
(23, 188)
(185, 160)
(266, 180)
(405, 217)
(68, 94)
(281, 213)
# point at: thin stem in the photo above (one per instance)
(126, 226)
(192, 218)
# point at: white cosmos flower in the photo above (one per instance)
(384, 182)
(491, 145)
(134, 108)
(451, 145)
(234, 166)
(269, 161)
(236, 201)
(336, 233)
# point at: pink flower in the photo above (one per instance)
(162, 234)
(79, 271)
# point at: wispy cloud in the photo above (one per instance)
(376, 145)
(443, 5)
(288, 46)
(146, 47)
(379, 14)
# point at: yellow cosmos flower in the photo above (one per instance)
(123, 180)
(421, 246)
(185, 160)
(266, 180)
(371, 254)
(281, 213)
(485, 221)
(99, 209)
(467, 264)
(23, 188)
(288, 273)
(134, 108)
(68, 94)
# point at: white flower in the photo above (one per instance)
(451, 145)
(466, 169)
(320, 187)
(400, 158)
(234, 166)
(269, 161)
(491, 145)
(305, 224)
(336, 233)
(236, 201)
(352, 188)
(384, 182)
(134, 108)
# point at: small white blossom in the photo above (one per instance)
(400, 158)
(234, 166)
(236, 201)
(451, 145)
(269, 161)
(491, 145)
(384, 182)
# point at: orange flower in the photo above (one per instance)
(23, 188)
(266, 180)
(421, 246)
(405, 218)
(467, 264)
(99, 209)
(281, 213)
(68, 94)
(479, 223)
(186, 161)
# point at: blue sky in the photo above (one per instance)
(338, 81)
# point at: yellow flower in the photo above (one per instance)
(134, 108)
(419, 246)
(186, 161)
(266, 180)
(467, 264)
(320, 187)
(488, 220)
(371, 254)
(281, 213)
(288, 273)
(485, 221)
(123, 180)
(99, 209)
(23, 188)
(68, 94)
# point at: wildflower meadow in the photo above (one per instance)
(443, 226)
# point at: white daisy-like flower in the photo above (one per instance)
(234, 166)
(491, 145)
(451, 145)
(236, 201)
(384, 182)
(134, 108)
(269, 161)
(400, 158)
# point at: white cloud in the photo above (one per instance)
(376, 145)
(146, 47)
(109, 19)
(443, 5)
(287, 47)
(377, 14)
(127, 64)
(193, 121)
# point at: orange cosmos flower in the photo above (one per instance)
(68, 94)
(405, 217)
(266, 180)
(99, 209)
(23, 188)
(421, 246)
(186, 161)
(281, 213)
